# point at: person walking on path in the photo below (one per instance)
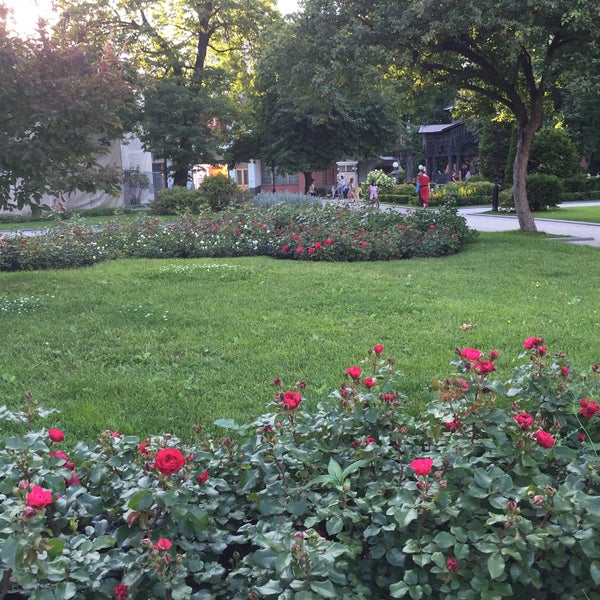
(423, 181)
(374, 194)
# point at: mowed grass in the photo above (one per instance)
(587, 214)
(152, 346)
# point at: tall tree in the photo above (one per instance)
(318, 97)
(505, 52)
(60, 106)
(194, 53)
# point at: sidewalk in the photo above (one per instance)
(573, 232)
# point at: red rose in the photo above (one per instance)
(38, 497)
(471, 354)
(494, 354)
(291, 400)
(484, 367)
(56, 435)
(421, 466)
(143, 447)
(203, 477)
(452, 425)
(354, 372)
(525, 420)
(452, 564)
(369, 382)
(121, 591)
(328, 242)
(370, 440)
(378, 349)
(530, 342)
(169, 461)
(285, 248)
(588, 408)
(544, 439)
(163, 544)
(564, 371)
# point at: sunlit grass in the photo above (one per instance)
(148, 346)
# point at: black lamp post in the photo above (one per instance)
(495, 192)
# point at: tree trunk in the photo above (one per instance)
(307, 180)
(180, 177)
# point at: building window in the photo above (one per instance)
(280, 178)
(241, 176)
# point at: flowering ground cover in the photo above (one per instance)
(491, 491)
(307, 232)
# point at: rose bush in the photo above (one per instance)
(306, 232)
(493, 491)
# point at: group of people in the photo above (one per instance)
(353, 191)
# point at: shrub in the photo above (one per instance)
(218, 191)
(463, 193)
(492, 491)
(310, 231)
(543, 191)
(581, 188)
(176, 200)
(553, 152)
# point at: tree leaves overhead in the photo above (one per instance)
(61, 105)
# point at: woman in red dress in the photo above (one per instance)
(423, 180)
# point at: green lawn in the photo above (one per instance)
(149, 346)
(588, 214)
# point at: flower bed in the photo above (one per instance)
(307, 232)
(493, 491)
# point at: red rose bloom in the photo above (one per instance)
(163, 544)
(544, 439)
(56, 435)
(370, 440)
(121, 591)
(484, 367)
(143, 447)
(169, 461)
(421, 466)
(203, 477)
(378, 349)
(525, 420)
(588, 408)
(494, 354)
(452, 425)
(452, 564)
(291, 400)
(38, 497)
(530, 342)
(369, 382)
(354, 372)
(471, 354)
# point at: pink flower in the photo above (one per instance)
(564, 371)
(378, 349)
(494, 354)
(328, 242)
(38, 497)
(203, 477)
(354, 372)
(452, 564)
(285, 248)
(370, 440)
(471, 354)
(169, 461)
(311, 250)
(58, 454)
(73, 481)
(56, 435)
(163, 544)
(291, 400)
(544, 439)
(421, 466)
(532, 342)
(317, 245)
(525, 420)
(369, 382)
(588, 408)
(120, 592)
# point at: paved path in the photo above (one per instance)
(573, 232)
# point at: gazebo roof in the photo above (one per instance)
(438, 128)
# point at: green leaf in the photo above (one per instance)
(444, 539)
(11, 552)
(495, 565)
(398, 590)
(271, 588)
(227, 424)
(104, 541)
(56, 547)
(334, 525)
(325, 589)
(335, 471)
(141, 500)
(405, 516)
(595, 571)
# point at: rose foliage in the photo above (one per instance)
(306, 232)
(491, 492)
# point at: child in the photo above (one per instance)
(374, 194)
